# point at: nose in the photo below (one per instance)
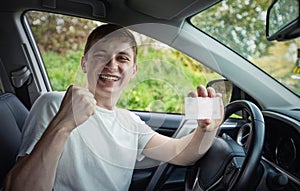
(112, 65)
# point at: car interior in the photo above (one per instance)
(258, 150)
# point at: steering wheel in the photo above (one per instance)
(227, 166)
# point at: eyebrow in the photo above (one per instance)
(124, 52)
(99, 51)
(121, 52)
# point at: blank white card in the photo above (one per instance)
(202, 108)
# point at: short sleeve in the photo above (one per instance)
(40, 115)
(145, 134)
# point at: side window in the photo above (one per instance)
(60, 40)
(164, 77)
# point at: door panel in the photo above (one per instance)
(165, 124)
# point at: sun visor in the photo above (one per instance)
(153, 8)
(97, 6)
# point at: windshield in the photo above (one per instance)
(240, 25)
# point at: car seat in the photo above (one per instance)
(12, 116)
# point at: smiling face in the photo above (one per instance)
(109, 64)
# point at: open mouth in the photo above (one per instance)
(108, 77)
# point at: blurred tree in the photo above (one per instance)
(59, 33)
(235, 22)
(61, 39)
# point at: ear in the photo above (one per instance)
(134, 70)
(84, 64)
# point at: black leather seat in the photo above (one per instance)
(12, 116)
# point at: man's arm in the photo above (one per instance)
(37, 170)
(190, 148)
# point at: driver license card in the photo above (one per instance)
(202, 108)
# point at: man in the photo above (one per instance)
(79, 140)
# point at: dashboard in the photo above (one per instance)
(281, 149)
(282, 144)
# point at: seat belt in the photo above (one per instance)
(163, 167)
(20, 80)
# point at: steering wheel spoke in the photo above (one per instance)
(232, 170)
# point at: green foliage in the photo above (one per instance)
(64, 70)
(59, 33)
(164, 78)
(240, 25)
(235, 22)
(160, 85)
(148, 95)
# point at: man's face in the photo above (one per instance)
(109, 65)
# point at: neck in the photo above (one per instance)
(106, 105)
(107, 102)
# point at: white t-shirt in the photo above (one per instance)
(100, 154)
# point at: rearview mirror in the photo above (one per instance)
(283, 20)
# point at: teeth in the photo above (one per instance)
(112, 78)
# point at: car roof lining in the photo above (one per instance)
(131, 11)
(178, 9)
